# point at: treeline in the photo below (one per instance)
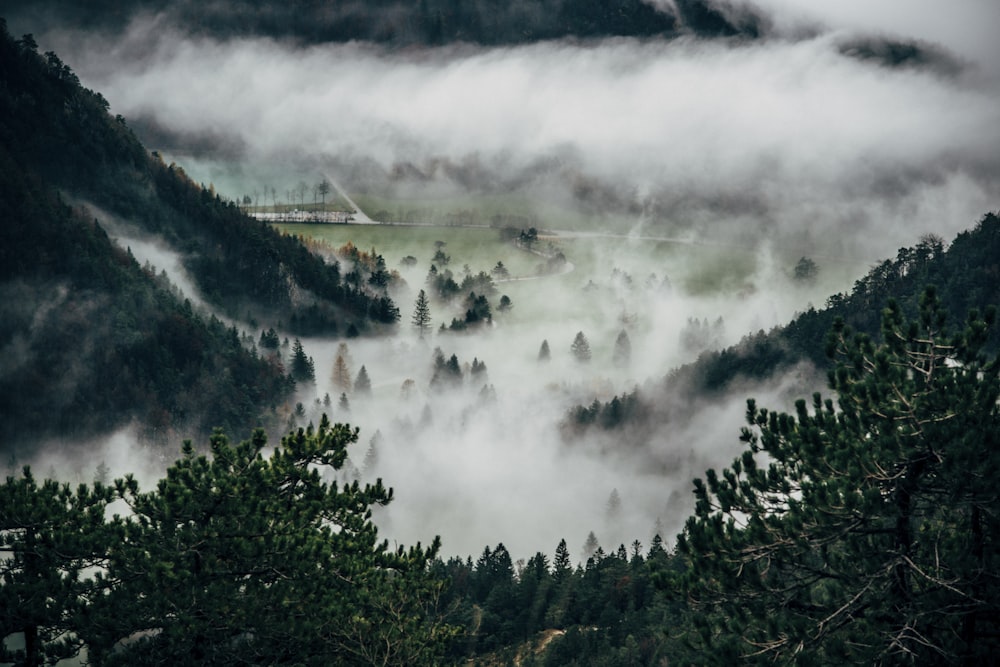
(609, 610)
(425, 22)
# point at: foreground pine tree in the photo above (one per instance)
(867, 533)
(234, 558)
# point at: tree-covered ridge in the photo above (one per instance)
(866, 533)
(966, 275)
(91, 341)
(62, 134)
(421, 22)
(234, 558)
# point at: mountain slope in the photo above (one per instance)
(91, 341)
(966, 276)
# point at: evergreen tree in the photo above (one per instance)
(622, 354)
(544, 354)
(52, 538)
(872, 535)
(303, 368)
(562, 565)
(422, 313)
(580, 348)
(362, 384)
(237, 558)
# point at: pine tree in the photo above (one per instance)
(238, 558)
(580, 348)
(872, 535)
(543, 352)
(362, 384)
(562, 565)
(422, 313)
(52, 538)
(303, 368)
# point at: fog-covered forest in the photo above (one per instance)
(559, 333)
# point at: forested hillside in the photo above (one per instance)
(91, 340)
(428, 22)
(966, 274)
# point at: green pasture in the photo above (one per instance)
(697, 269)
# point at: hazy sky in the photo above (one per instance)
(788, 139)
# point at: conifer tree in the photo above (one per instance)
(422, 314)
(544, 354)
(363, 384)
(303, 368)
(866, 533)
(240, 559)
(580, 348)
(51, 538)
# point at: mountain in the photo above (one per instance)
(91, 341)
(427, 22)
(965, 275)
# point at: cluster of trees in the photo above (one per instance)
(319, 192)
(478, 288)
(234, 558)
(607, 611)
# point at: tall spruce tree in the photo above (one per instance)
(422, 313)
(868, 533)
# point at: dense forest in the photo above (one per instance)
(115, 341)
(865, 533)
(862, 529)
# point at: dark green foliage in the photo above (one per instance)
(422, 313)
(303, 369)
(234, 558)
(49, 536)
(585, 616)
(871, 536)
(620, 411)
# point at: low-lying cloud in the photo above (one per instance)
(845, 134)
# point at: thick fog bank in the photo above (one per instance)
(822, 140)
(849, 133)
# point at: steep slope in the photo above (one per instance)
(90, 340)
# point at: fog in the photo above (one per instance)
(810, 141)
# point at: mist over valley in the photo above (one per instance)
(566, 252)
